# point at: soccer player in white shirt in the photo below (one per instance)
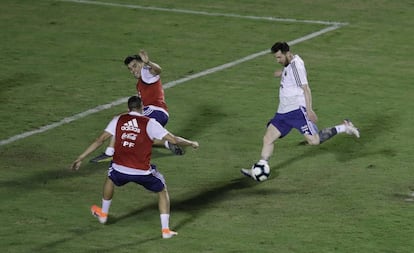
(295, 106)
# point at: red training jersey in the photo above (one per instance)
(149, 88)
(133, 146)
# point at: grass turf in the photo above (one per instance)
(62, 58)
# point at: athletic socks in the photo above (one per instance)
(105, 205)
(109, 151)
(165, 220)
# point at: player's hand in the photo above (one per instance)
(76, 164)
(144, 56)
(194, 144)
(278, 73)
(312, 116)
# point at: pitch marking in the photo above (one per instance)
(334, 26)
(132, 6)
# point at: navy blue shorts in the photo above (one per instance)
(298, 119)
(159, 116)
(154, 182)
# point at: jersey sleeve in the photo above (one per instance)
(147, 76)
(155, 130)
(111, 127)
(299, 72)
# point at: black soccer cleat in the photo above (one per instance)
(247, 173)
(175, 149)
(101, 158)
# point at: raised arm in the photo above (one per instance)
(155, 68)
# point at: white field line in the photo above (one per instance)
(131, 6)
(166, 86)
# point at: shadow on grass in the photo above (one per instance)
(196, 203)
(49, 247)
(204, 116)
(372, 128)
(43, 178)
(346, 148)
(194, 206)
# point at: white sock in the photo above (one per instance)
(166, 144)
(340, 128)
(105, 205)
(165, 220)
(109, 151)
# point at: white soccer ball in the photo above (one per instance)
(260, 171)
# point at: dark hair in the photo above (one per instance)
(134, 103)
(130, 58)
(282, 46)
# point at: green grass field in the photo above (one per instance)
(62, 58)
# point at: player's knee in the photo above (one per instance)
(313, 140)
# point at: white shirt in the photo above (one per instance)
(154, 129)
(147, 76)
(291, 95)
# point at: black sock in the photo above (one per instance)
(326, 134)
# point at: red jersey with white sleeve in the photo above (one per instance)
(150, 89)
(134, 135)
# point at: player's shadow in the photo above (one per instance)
(194, 206)
(191, 128)
(344, 148)
(197, 204)
(76, 234)
(373, 127)
(203, 116)
(43, 178)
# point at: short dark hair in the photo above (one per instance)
(134, 103)
(281, 45)
(130, 58)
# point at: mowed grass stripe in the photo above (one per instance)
(117, 102)
(131, 6)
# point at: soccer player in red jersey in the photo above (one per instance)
(134, 135)
(149, 88)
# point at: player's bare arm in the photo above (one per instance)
(308, 98)
(95, 145)
(155, 68)
(180, 141)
